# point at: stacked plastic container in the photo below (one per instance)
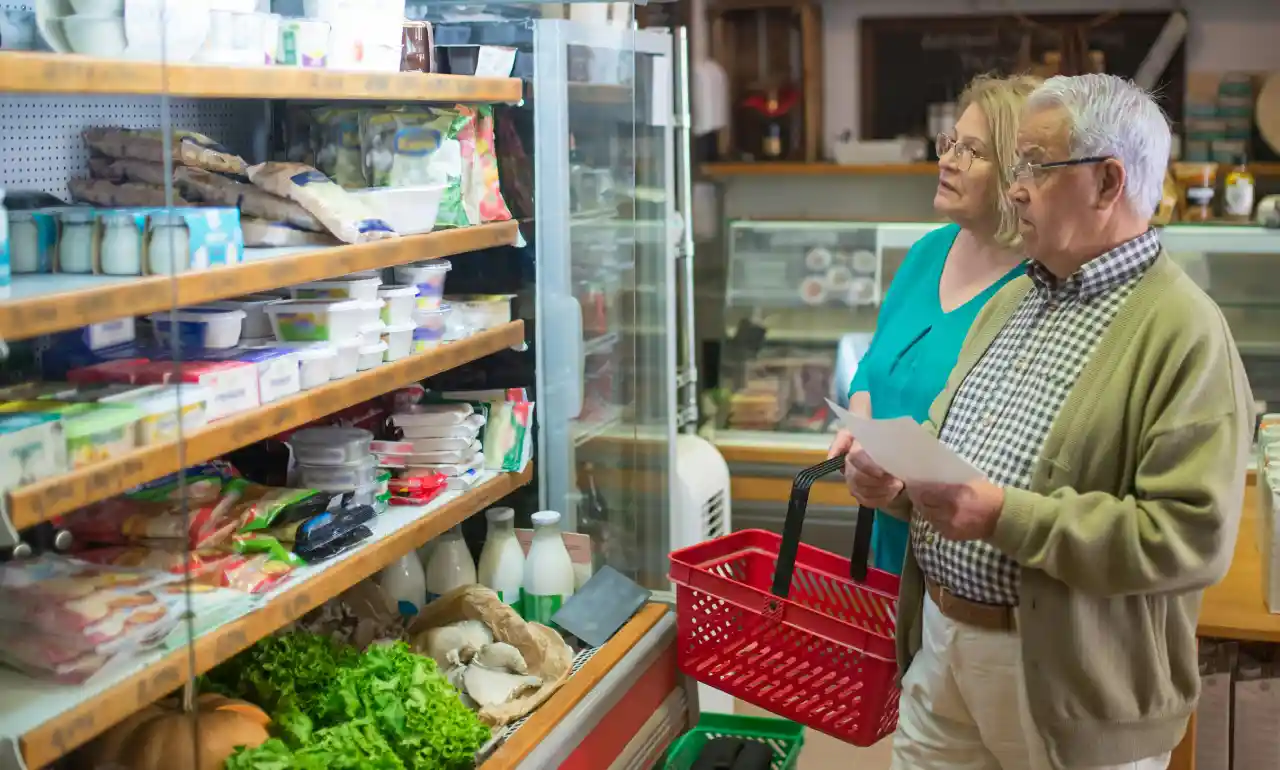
(429, 314)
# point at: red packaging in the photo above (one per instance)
(233, 385)
(122, 371)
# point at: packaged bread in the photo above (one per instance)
(343, 214)
(218, 190)
(139, 171)
(264, 233)
(187, 148)
(101, 192)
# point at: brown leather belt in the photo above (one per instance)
(992, 617)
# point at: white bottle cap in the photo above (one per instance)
(546, 519)
(500, 514)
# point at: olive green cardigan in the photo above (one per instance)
(1132, 512)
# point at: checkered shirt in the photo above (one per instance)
(1003, 410)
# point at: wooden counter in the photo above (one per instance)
(1234, 608)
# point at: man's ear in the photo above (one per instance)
(1111, 180)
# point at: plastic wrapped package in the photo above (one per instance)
(188, 148)
(200, 185)
(264, 233)
(342, 214)
(414, 147)
(338, 154)
(481, 192)
(107, 194)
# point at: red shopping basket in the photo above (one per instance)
(792, 629)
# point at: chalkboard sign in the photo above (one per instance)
(910, 63)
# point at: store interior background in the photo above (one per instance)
(1224, 36)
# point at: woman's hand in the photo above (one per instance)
(870, 484)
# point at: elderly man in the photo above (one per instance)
(1048, 612)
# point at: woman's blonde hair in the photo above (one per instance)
(1001, 100)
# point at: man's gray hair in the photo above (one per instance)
(1114, 117)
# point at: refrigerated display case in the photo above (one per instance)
(589, 250)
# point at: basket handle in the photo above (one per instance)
(794, 523)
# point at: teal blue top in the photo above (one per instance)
(914, 350)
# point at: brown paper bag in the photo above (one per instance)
(546, 654)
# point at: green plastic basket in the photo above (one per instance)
(783, 737)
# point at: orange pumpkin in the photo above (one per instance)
(160, 737)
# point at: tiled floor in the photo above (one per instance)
(822, 752)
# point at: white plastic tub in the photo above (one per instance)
(431, 325)
(360, 288)
(371, 334)
(477, 312)
(429, 277)
(346, 360)
(315, 364)
(371, 356)
(398, 303)
(199, 327)
(256, 321)
(399, 339)
(371, 312)
(316, 320)
(409, 210)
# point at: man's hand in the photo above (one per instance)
(959, 511)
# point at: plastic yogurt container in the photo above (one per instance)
(399, 303)
(431, 325)
(371, 355)
(399, 340)
(346, 360)
(429, 277)
(371, 333)
(256, 321)
(316, 320)
(339, 288)
(331, 445)
(199, 327)
(315, 364)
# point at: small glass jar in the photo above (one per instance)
(75, 254)
(24, 242)
(170, 244)
(121, 245)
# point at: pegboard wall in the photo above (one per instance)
(40, 144)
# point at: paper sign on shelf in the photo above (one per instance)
(906, 450)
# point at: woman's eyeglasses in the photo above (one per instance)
(964, 153)
(1026, 171)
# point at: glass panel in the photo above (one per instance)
(607, 383)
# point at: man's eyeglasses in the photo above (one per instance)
(1026, 171)
(964, 153)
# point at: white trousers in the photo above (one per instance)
(964, 705)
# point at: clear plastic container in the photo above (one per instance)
(399, 303)
(477, 312)
(431, 326)
(360, 288)
(199, 327)
(316, 320)
(399, 340)
(429, 277)
(331, 445)
(339, 478)
(371, 356)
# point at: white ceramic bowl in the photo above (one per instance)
(96, 35)
(98, 7)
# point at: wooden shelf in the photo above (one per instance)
(51, 497)
(726, 170)
(44, 304)
(1235, 608)
(51, 720)
(51, 73)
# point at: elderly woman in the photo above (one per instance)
(946, 278)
